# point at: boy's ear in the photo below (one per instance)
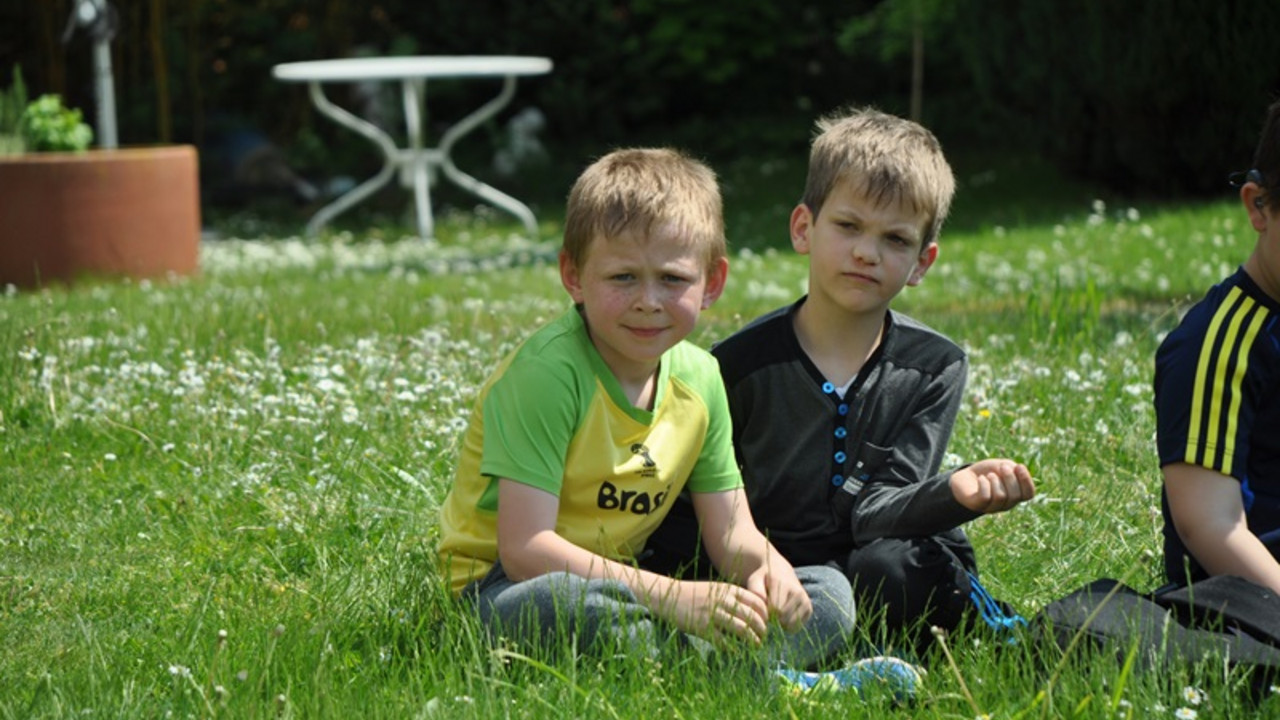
(1252, 195)
(925, 261)
(801, 223)
(717, 275)
(570, 278)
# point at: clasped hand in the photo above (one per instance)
(722, 611)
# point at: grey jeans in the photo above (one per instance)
(598, 614)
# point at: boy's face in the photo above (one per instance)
(640, 297)
(861, 253)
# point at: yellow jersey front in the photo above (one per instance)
(553, 416)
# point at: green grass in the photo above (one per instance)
(217, 495)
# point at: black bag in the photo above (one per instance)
(1223, 616)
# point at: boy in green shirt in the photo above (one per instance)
(584, 435)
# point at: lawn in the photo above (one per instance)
(218, 494)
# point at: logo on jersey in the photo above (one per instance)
(650, 468)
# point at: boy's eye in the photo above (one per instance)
(675, 279)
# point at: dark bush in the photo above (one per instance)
(1149, 98)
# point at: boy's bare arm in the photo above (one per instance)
(1208, 513)
(993, 485)
(529, 546)
(742, 553)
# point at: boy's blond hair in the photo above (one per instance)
(887, 158)
(635, 191)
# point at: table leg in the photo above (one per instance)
(417, 161)
(465, 181)
(366, 188)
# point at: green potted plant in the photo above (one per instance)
(68, 211)
(47, 126)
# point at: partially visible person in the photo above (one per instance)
(842, 407)
(1217, 398)
(584, 433)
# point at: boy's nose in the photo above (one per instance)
(649, 297)
(866, 251)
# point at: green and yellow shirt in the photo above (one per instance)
(553, 416)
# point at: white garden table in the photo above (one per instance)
(417, 163)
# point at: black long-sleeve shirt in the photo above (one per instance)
(821, 482)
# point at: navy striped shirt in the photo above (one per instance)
(1217, 396)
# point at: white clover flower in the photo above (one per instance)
(1136, 389)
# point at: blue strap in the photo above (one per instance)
(992, 614)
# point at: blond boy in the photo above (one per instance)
(585, 433)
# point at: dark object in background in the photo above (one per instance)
(243, 165)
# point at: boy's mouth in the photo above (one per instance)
(862, 277)
(645, 332)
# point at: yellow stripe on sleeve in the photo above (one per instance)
(1202, 372)
(1255, 324)
(1214, 435)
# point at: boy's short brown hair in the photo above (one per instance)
(887, 158)
(1266, 158)
(634, 190)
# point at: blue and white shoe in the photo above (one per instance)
(896, 676)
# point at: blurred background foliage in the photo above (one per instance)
(1150, 100)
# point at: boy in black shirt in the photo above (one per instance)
(842, 408)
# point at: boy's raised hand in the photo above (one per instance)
(992, 485)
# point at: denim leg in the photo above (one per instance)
(827, 631)
(597, 614)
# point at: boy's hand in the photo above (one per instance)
(784, 595)
(991, 486)
(720, 611)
